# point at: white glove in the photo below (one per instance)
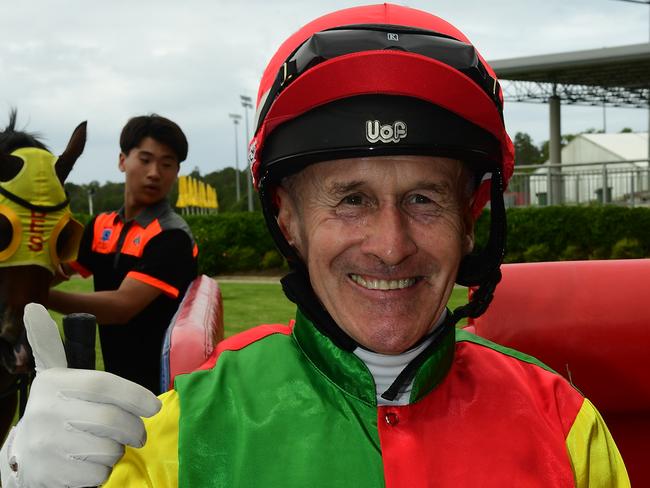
(76, 422)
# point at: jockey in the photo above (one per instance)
(379, 139)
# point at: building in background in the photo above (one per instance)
(617, 163)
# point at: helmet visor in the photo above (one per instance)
(341, 41)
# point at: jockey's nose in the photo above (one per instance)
(388, 237)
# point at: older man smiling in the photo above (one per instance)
(379, 138)
(382, 238)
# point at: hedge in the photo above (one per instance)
(569, 233)
(239, 241)
(231, 242)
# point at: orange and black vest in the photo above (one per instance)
(157, 248)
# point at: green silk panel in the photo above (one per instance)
(266, 416)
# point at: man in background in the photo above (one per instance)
(142, 256)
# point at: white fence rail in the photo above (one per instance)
(609, 182)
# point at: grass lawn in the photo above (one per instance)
(245, 305)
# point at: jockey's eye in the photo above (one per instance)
(354, 200)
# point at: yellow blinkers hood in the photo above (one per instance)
(37, 207)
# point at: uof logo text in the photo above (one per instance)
(386, 133)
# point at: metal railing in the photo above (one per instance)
(624, 183)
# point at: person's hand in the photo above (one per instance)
(60, 275)
(76, 422)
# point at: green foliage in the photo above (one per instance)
(230, 242)
(526, 152)
(600, 252)
(78, 195)
(628, 248)
(273, 260)
(572, 253)
(242, 258)
(109, 196)
(570, 232)
(225, 183)
(536, 253)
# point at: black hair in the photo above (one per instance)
(12, 139)
(159, 128)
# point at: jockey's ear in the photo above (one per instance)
(9, 166)
(72, 152)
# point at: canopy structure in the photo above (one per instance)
(614, 76)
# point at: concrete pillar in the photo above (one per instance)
(555, 151)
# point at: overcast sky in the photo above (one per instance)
(64, 61)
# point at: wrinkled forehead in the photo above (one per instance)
(394, 174)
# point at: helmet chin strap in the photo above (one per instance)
(298, 289)
(483, 268)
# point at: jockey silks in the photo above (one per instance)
(283, 406)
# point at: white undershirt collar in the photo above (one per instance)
(385, 368)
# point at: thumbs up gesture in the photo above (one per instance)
(76, 422)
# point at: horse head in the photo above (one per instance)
(37, 230)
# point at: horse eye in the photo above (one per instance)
(6, 232)
(67, 242)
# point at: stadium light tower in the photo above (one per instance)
(247, 103)
(235, 120)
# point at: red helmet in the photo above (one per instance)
(382, 50)
(381, 80)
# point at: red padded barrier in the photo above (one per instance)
(590, 321)
(194, 331)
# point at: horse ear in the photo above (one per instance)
(9, 166)
(75, 147)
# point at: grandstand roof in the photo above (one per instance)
(614, 76)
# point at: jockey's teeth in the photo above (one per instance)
(383, 284)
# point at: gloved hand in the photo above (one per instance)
(76, 422)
